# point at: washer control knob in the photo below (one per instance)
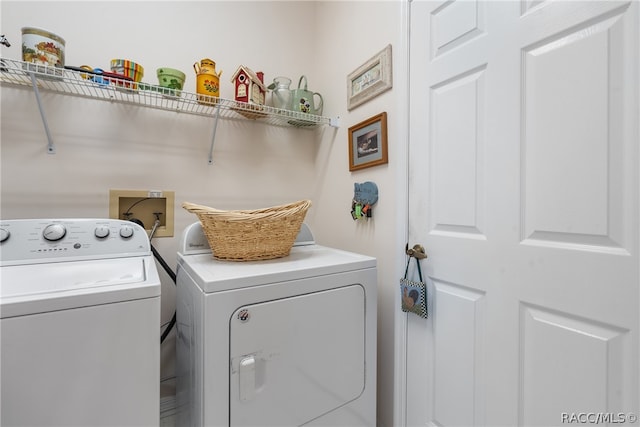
(126, 231)
(4, 234)
(54, 232)
(101, 231)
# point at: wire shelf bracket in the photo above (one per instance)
(51, 148)
(213, 137)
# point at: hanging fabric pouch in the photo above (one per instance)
(413, 294)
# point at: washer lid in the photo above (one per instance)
(29, 289)
(213, 275)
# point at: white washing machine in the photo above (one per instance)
(282, 342)
(79, 324)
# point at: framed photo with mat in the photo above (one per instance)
(368, 143)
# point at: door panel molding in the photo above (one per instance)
(461, 312)
(457, 154)
(571, 110)
(455, 23)
(593, 357)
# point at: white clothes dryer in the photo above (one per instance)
(79, 324)
(283, 342)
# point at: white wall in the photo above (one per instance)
(351, 33)
(102, 146)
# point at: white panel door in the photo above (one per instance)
(524, 190)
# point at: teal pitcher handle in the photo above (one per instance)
(305, 82)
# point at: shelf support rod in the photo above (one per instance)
(51, 149)
(215, 128)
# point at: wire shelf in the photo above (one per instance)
(97, 86)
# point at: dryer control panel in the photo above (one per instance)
(26, 241)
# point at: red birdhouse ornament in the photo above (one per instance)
(249, 86)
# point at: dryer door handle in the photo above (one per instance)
(247, 377)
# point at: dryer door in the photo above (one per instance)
(297, 358)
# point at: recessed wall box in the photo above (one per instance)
(144, 205)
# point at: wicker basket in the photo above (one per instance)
(248, 235)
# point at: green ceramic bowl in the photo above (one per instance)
(171, 78)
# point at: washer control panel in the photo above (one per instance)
(31, 240)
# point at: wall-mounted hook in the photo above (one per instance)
(365, 195)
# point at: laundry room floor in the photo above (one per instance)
(167, 420)
(168, 413)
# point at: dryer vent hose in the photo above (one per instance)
(171, 274)
(166, 268)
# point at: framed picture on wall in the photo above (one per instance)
(370, 79)
(368, 143)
